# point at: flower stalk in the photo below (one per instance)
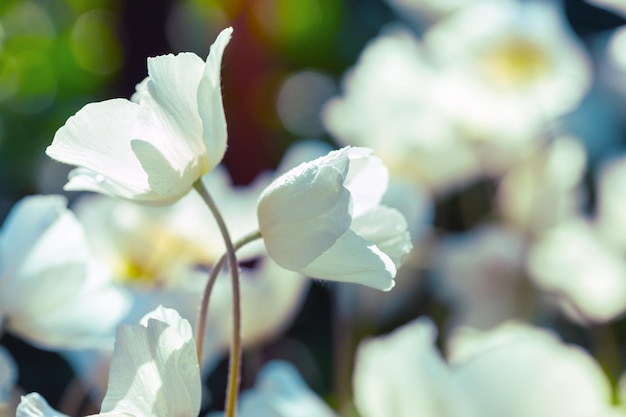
(208, 289)
(234, 373)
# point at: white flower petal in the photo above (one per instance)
(173, 88)
(367, 180)
(28, 220)
(303, 212)
(98, 138)
(154, 371)
(403, 374)
(34, 405)
(524, 371)
(354, 259)
(163, 177)
(387, 229)
(210, 105)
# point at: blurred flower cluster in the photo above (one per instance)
(316, 208)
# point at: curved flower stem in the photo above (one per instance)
(234, 372)
(206, 295)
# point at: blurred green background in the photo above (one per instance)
(56, 56)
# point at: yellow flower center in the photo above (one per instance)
(515, 63)
(160, 259)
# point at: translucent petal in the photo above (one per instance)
(397, 374)
(170, 120)
(303, 213)
(98, 138)
(354, 259)
(34, 405)
(367, 180)
(210, 105)
(154, 370)
(387, 229)
(163, 178)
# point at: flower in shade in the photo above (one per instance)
(323, 218)
(154, 372)
(154, 147)
(507, 78)
(52, 291)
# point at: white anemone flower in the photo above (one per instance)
(154, 372)
(153, 148)
(543, 189)
(52, 291)
(511, 74)
(162, 255)
(485, 375)
(397, 116)
(586, 274)
(323, 218)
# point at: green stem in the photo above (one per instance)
(234, 373)
(206, 295)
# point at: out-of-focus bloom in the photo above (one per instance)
(396, 115)
(154, 372)
(556, 379)
(478, 275)
(52, 291)
(611, 200)
(323, 218)
(279, 391)
(582, 260)
(512, 74)
(162, 248)
(543, 190)
(404, 372)
(162, 255)
(586, 274)
(153, 148)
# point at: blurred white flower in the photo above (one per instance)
(389, 105)
(154, 372)
(518, 370)
(543, 188)
(34, 405)
(478, 275)
(402, 374)
(513, 370)
(153, 148)
(162, 248)
(52, 291)
(323, 218)
(279, 391)
(611, 200)
(509, 76)
(585, 273)
(162, 255)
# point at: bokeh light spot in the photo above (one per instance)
(300, 100)
(95, 44)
